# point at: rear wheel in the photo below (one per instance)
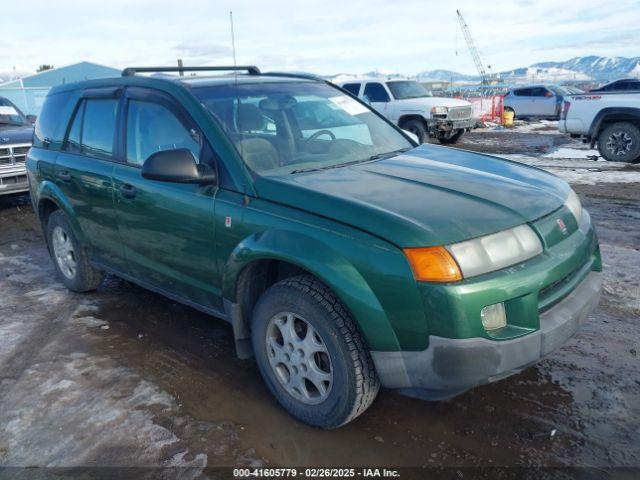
(620, 142)
(69, 258)
(418, 128)
(311, 354)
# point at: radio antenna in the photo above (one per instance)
(233, 41)
(235, 74)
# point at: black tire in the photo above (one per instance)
(85, 278)
(418, 128)
(355, 383)
(452, 139)
(620, 142)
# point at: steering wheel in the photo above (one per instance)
(320, 133)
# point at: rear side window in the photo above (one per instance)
(52, 121)
(99, 127)
(540, 92)
(352, 88)
(152, 128)
(375, 92)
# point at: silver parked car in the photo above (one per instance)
(535, 101)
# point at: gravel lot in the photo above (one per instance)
(124, 377)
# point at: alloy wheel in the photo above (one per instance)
(299, 358)
(64, 252)
(619, 143)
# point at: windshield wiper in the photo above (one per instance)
(304, 170)
(354, 162)
(392, 153)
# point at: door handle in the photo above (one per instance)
(64, 176)
(128, 191)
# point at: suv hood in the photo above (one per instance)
(10, 134)
(426, 103)
(428, 196)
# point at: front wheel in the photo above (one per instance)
(452, 139)
(311, 354)
(620, 142)
(418, 128)
(69, 258)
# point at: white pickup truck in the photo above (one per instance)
(410, 106)
(609, 119)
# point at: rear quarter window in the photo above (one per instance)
(52, 122)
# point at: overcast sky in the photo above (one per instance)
(324, 37)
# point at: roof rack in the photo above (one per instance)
(131, 71)
(306, 76)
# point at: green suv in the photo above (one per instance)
(344, 256)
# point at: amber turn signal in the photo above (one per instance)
(433, 264)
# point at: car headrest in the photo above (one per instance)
(249, 118)
(280, 102)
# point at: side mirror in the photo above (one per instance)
(31, 119)
(177, 166)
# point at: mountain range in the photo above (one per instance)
(578, 68)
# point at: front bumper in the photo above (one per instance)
(449, 367)
(445, 125)
(13, 179)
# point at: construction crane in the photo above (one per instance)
(472, 48)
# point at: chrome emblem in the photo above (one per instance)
(563, 227)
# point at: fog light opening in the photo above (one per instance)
(493, 317)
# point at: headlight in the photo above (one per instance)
(498, 250)
(573, 203)
(439, 110)
(474, 257)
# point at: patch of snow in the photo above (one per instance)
(568, 152)
(621, 266)
(91, 322)
(571, 164)
(12, 333)
(540, 126)
(95, 410)
(51, 295)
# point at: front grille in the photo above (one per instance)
(459, 113)
(13, 154)
(554, 287)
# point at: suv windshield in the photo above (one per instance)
(407, 89)
(281, 128)
(10, 114)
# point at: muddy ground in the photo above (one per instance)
(125, 377)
